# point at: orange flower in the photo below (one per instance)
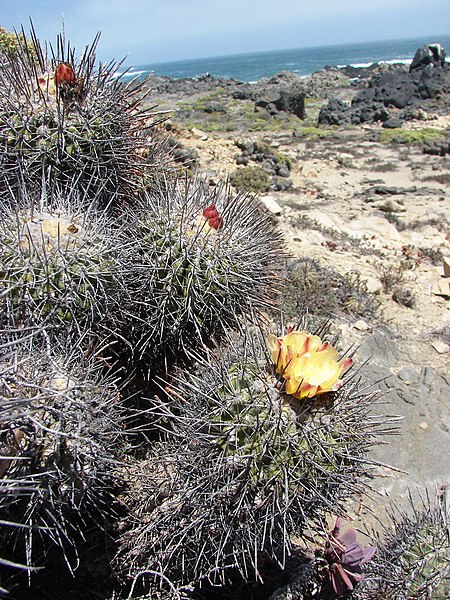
(309, 366)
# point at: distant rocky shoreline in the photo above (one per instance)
(386, 93)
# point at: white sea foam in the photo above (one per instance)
(130, 73)
(394, 61)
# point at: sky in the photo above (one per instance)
(152, 31)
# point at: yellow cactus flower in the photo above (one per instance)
(309, 366)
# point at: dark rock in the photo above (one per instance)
(393, 123)
(272, 109)
(292, 101)
(245, 92)
(391, 190)
(335, 112)
(426, 84)
(429, 54)
(269, 167)
(380, 114)
(265, 102)
(404, 296)
(280, 184)
(214, 107)
(283, 170)
(188, 86)
(289, 100)
(275, 165)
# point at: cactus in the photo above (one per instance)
(413, 557)
(10, 42)
(60, 435)
(206, 259)
(59, 264)
(10, 489)
(244, 467)
(72, 121)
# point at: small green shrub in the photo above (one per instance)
(442, 178)
(381, 167)
(324, 293)
(403, 136)
(250, 179)
(314, 133)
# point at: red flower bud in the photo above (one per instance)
(210, 212)
(64, 74)
(215, 222)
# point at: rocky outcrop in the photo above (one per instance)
(395, 90)
(429, 54)
(273, 163)
(336, 112)
(187, 86)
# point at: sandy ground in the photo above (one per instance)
(333, 186)
(347, 230)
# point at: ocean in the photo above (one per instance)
(302, 61)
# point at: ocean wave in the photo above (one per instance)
(130, 73)
(394, 61)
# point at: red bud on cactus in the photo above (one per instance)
(210, 212)
(215, 222)
(64, 74)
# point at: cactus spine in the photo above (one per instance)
(243, 468)
(206, 259)
(60, 264)
(413, 558)
(60, 435)
(69, 121)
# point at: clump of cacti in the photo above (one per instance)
(11, 42)
(243, 468)
(62, 118)
(205, 259)
(60, 263)
(235, 466)
(60, 435)
(413, 557)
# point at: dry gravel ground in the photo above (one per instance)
(334, 214)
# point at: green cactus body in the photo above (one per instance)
(413, 557)
(247, 467)
(60, 434)
(57, 268)
(196, 279)
(83, 126)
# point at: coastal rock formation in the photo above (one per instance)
(429, 54)
(396, 89)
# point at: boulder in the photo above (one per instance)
(393, 123)
(428, 54)
(290, 100)
(335, 112)
(426, 84)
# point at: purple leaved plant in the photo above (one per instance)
(345, 557)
